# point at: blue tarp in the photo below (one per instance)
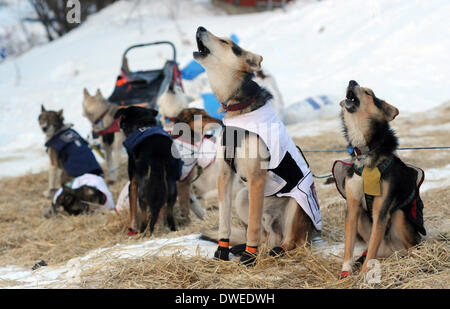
(211, 105)
(192, 70)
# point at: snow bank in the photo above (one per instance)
(67, 275)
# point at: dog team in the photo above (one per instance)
(247, 159)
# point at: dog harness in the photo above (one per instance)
(141, 134)
(92, 181)
(288, 172)
(412, 206)
(73, 151)
(201, 154)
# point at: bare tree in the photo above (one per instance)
(53, 14)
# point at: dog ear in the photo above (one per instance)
(86, 93)
(43, 108)
(154, 112)
(253, 61)
(389, 111)
(99, 94)
(59, 113)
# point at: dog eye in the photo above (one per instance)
(223, 41)
(368, 93)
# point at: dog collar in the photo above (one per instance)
(170, 119)
(359, 152)
(236, 107)
(239, 106)
(113, 128)
(101, 116)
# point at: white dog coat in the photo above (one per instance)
(202, 153)
(265, 123)
(92, 181)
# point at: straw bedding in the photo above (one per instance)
(26, 237)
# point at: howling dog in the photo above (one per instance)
(279, 203)
(153, 170)
(70, 155)
(384, 207)
(197, 148)
(100, 113)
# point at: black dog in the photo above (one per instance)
(152, 168)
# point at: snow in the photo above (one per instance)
(67, 275)
(436, 178)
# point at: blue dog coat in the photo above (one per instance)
(74, 153)
(141, 134)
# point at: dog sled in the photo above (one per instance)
(143, 88)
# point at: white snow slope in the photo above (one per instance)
(398, 48)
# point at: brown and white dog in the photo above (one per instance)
(52, 122)
(69, 153)
(200, 168)
(383, 203)
(100, 113)
(279, 219)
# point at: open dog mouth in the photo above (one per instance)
(351, 101)
(203, 51)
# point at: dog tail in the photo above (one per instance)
(238, 236)
(157, 185)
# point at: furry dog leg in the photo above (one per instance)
(116, 156)
(297, 228)
(109, 161)
(196, 207)
(257, 180)
(379, 224)
(225, 195)
(183, 196)
(133, 196)
(354, 196)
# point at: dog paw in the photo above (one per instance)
(131, 232)
(222, 254)
(277, 251)
(223, 251)
(248, 257)
(238, 249)
(344, 274)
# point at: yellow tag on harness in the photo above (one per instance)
(371, 180)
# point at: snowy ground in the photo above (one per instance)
(67, 275)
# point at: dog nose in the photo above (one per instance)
(352, 83)
(201, 29)
(44, 129)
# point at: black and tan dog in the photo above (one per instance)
(70, 155)
(77, 201)
(152, 168)
(269, 162)
(383, 202)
